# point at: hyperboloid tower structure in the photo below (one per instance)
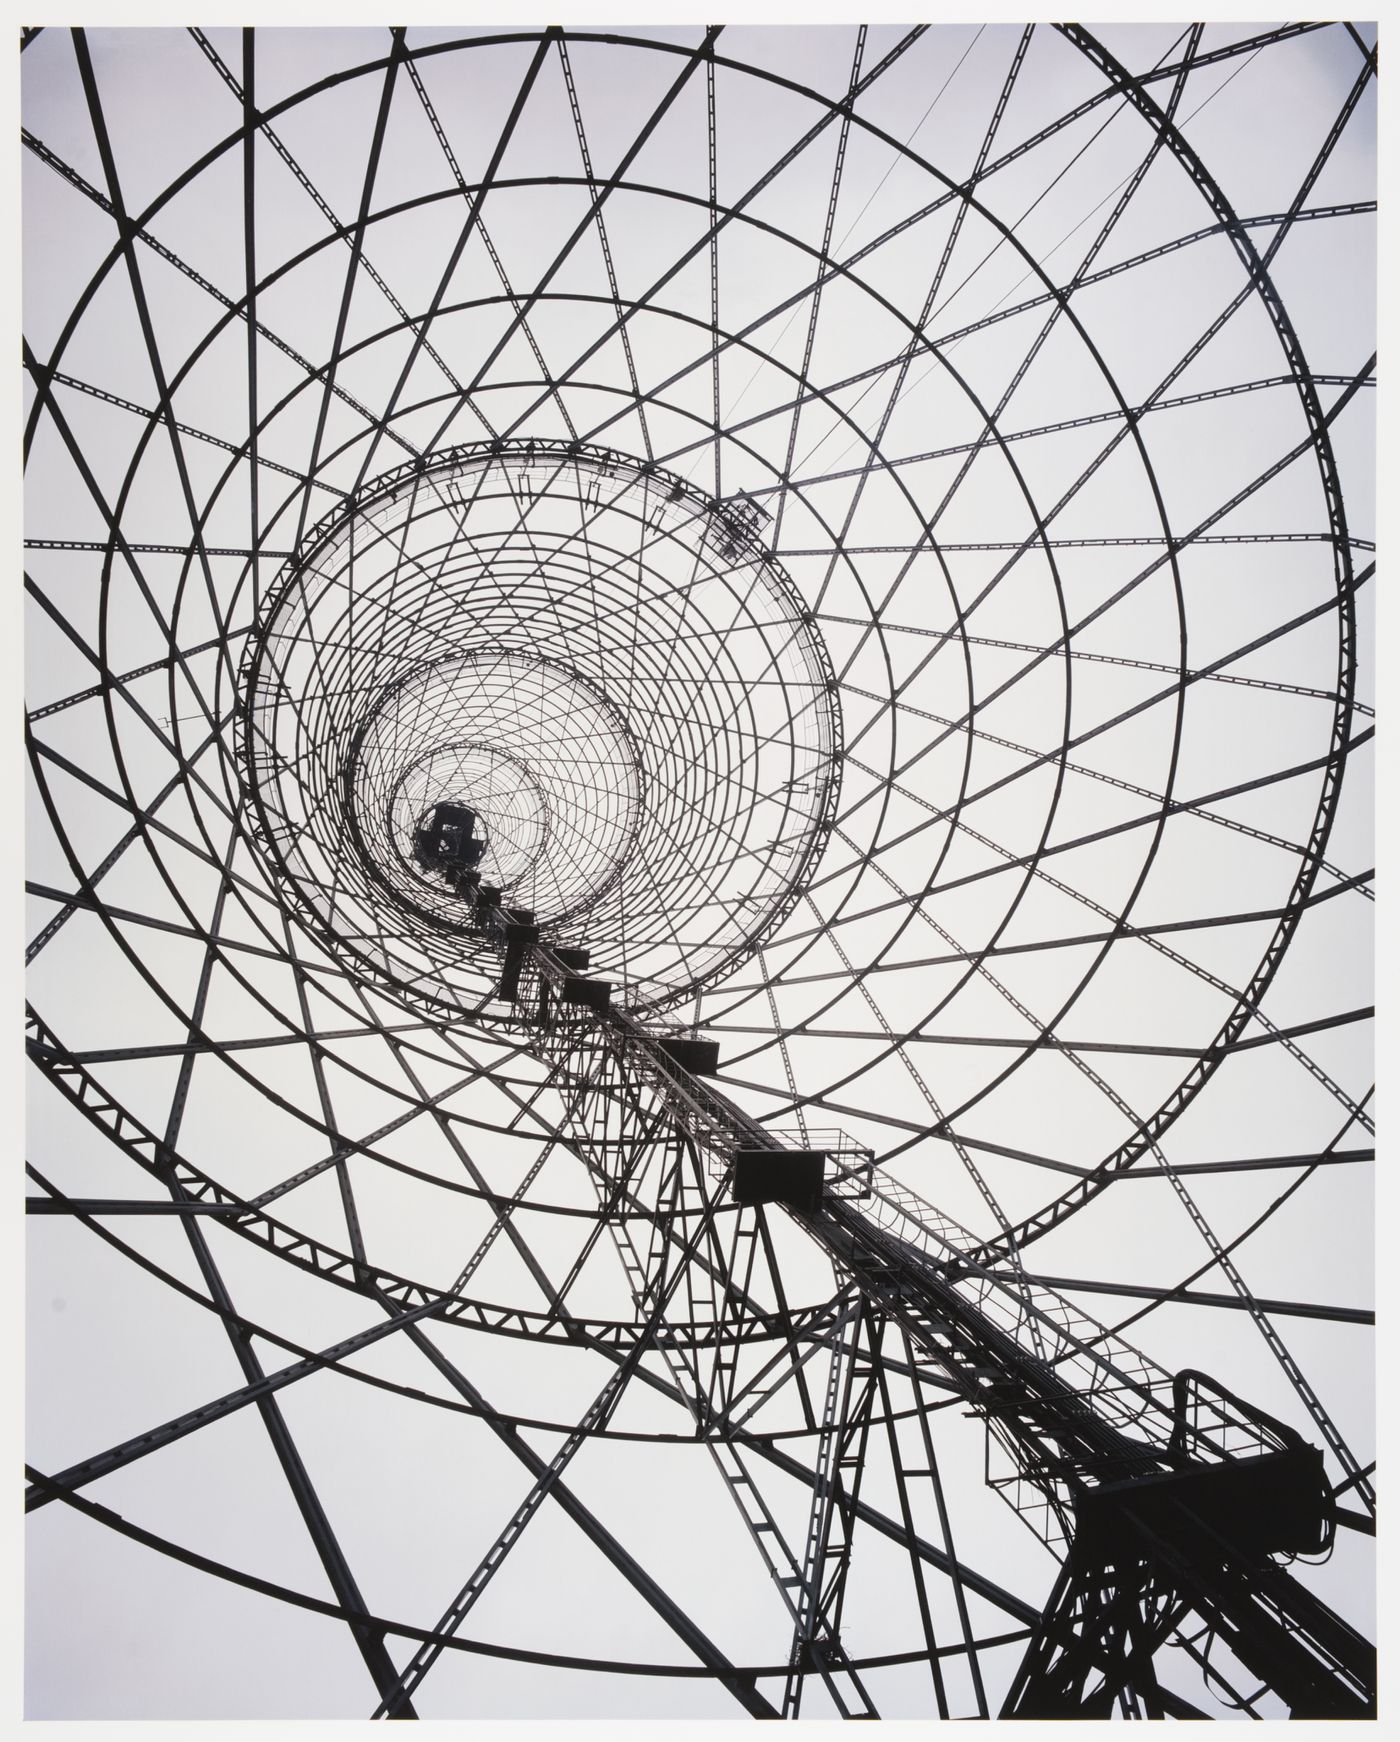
(698, 840)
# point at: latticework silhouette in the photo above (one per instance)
(551, 553)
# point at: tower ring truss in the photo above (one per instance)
(874, 523)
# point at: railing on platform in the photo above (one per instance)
(849, 1169)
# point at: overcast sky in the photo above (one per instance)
(1040, 490)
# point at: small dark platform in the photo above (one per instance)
(1264, 1505)
(446, 841)
(520, 927)
(592, 994)
(779, 1176)
(699, 1057)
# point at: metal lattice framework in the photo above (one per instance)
(873, 522)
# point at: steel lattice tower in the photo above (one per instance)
(697, 705)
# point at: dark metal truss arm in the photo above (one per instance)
(1298, 1309)
(1277, 687)
(1054, 1043)
(848, 1404)
(119, 680)
(59, 378)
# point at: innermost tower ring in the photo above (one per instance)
(603, 663)
(544, 760)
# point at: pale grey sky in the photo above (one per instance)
(1057, 716)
